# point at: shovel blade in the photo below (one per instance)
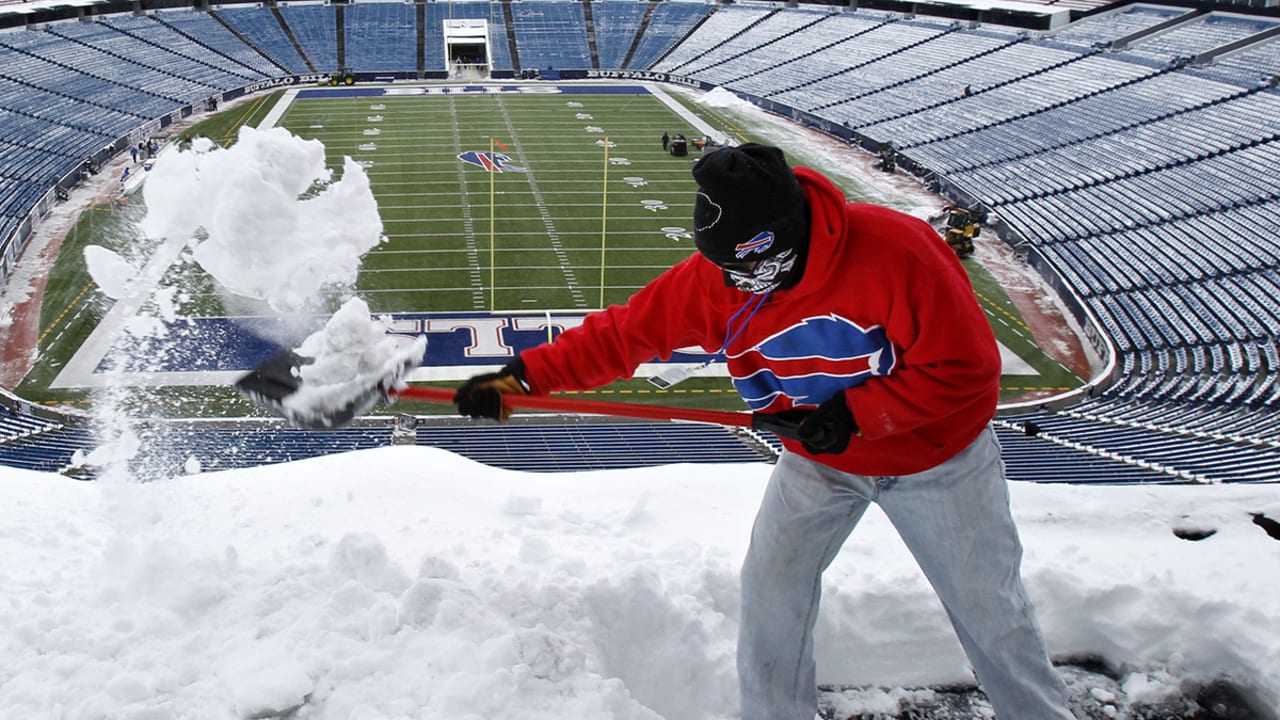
(275, 379)
(277, 385)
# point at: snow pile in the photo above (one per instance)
(407, 582)
(267, 220)
(724, 99)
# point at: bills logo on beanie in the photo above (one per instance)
(749, 205)
(759, 245)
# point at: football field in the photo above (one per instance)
(509, 212)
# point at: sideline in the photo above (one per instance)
(278, 111)
(687, 115)
(79, 370)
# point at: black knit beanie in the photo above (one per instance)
(749, 205)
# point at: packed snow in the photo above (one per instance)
(408, 582)
(352, 363)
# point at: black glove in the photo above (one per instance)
(827, 429)
(481, 396)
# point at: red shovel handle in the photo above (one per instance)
(595, 407)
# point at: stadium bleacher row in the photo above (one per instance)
(1134, 151)
(530, 445)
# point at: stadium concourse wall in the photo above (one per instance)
(1090, 327)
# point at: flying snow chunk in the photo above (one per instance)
(111, 272)
(267, 220)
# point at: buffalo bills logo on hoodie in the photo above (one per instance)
(492, 162)
(811, 361)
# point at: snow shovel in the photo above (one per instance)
(277, 385)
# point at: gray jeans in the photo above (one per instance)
(955, 520)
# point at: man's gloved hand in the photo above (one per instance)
(827, 429)
(481, 396)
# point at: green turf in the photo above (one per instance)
(543, 236)
(72, 306)
(442, 216)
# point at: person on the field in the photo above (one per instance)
(861, 322)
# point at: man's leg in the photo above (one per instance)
(803, 520)
(955, 519)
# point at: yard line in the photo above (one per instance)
(552, 234)
(468, 223)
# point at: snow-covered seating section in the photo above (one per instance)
(990, 105)
(70, 44)
(1197, 187)
(1140, 446)
(726, 22)
(1087, 119)
(1199, 35)
(668, 23)
(61, 109)
(1256, 64)
(117, 38)
(315, 28)
(773, 30)
(1105, 28)
(35, 444)
(260, 27)
(616, 24)
(805, 60)
(23, 60)
(52, 117)
(848, 61)
(1040, 162)
(1142, 397)
(203, 29)
(35, 151)
(920, 60)
(549, 34)
(190, 59)
(1032, 459)
(220, 448)
(787, 32)
(381, 36)
(14, 425)
(1004, 64)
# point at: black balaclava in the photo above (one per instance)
(750, 217)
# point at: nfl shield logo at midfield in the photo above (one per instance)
(492, 162)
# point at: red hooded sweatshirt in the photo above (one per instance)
(883, 313)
